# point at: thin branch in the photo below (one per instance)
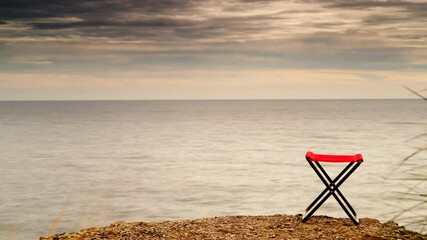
(418, 136)
(415, 92)
(419, 150)
(407, 209)
(416, 193)
(418, 168)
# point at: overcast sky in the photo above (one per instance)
(211, 49)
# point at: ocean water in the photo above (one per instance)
(67, 165)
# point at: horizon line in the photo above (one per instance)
(201, 99)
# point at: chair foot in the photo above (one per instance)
(305, 216)
(355, 220)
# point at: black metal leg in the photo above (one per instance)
(321, 195)
(344, 207)
(332, 189)
(309, 211)
(345, 201)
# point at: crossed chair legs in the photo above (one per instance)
(332, 189)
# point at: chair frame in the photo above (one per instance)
(332, 188)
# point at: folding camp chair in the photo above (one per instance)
(332, 185)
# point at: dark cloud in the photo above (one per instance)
(201, 23)
(417, 9)
(394, 18)
(154, 22)
(176, 15)
(132, 18)
(98, 7)
(384, 19)
(96, 13)
(321, 39)
(23, 14)
(367, 4)
(121, 19)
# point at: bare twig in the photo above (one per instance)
(419, 150)
(418, 136)
(415, 92)
(408, 209)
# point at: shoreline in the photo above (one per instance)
(248, 227)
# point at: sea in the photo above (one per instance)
(68, 165)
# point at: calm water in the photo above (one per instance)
(71, 165)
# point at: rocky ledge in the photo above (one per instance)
(247, 227)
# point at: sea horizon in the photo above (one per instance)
(201, 99)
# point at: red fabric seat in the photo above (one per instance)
(333, 158)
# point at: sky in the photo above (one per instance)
(211, 49)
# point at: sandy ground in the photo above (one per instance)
(247, 227)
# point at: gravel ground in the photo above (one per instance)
(247, 227)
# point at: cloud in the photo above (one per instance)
(87, 37)
(153, 22)
(207, 22)
(88, 8)
(411, 10)
(363, 4)
(33, 62)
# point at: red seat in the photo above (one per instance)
(333, 158)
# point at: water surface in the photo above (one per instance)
(68, 165)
